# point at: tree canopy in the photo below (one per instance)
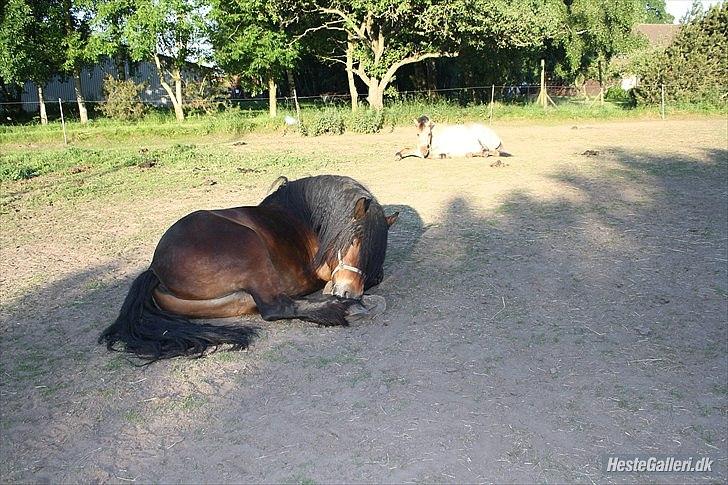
(261, 41)
(167, 32)
(253, 39)
(693, 67)
(30, 40)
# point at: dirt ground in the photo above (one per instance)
(542, 315)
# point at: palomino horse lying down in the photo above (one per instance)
(468, 140)
(264, 258)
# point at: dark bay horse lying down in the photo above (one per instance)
(264, 258)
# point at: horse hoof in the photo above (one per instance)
(370, 306)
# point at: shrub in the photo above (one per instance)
(205, 96)
(122, 100)
(618, 95)
(327, 122)
(366, 121)
(693, 67)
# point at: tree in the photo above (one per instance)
(252, 39)
(693, 67)
(596, 31)
(696, 12)
(77, 51)
(654, 12)
(108, 37)
(168, 32)
(381, 36)
(504, 41)
(30, 44)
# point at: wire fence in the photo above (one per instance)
(502, 92)
(516, 94)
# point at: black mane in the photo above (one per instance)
(326, 203)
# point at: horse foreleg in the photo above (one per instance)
(330, 312)
(409, 152)
(274, 300)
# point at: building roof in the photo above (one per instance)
(658, 34)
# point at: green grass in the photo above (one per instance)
(156, 126)
(134, 416)
(117, 160)
(189, 403)
(44, 177)
(160, 126)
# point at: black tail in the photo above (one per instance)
(154, 334)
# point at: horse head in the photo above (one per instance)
(424, 134)
(358, 263)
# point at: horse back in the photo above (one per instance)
(455, 140)
(211, 252)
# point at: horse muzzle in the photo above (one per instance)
(342, 291)
(346, 291)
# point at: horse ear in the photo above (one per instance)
(417, 123)
(361, 207)
(392, 219)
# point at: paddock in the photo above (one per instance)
(542, 313)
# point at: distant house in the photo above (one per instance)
(658, 35)
(92, 81)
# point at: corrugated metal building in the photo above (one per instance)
(92, 81)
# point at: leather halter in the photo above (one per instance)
(429, 146)
(345, 266)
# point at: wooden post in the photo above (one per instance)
(662, 100)
(63, 122)
(292, 86)
(542, 94)
(492, 95)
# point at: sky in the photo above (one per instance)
(678, 8)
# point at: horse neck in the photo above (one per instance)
(424, 148)
(307, 207)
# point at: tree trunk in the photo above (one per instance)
(178, 109)
(353, 93)
(176, 99)
(431, 79)
(376, 94)
(83, 113)
(292, 89)
(42, 107)
(272, 92)
(120, 62)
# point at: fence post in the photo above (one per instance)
(662, 100)
(492, 95)
(542, 94)
(63, 122)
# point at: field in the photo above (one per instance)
(566, 304)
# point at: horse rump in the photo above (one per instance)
(153, 334)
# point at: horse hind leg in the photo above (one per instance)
(327, 312)
(232, 305)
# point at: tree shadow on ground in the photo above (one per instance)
(50, 358)
(523, 343)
